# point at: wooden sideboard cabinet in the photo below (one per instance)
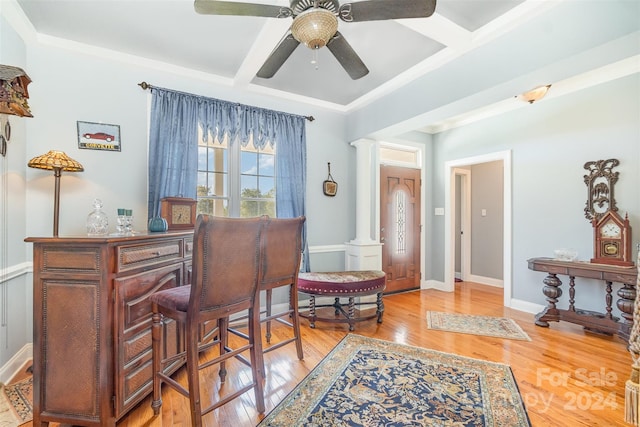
(92, 322)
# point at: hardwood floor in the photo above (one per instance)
(566, 376)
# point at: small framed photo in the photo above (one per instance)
(98, 136)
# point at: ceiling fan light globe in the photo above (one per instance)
(314, 27)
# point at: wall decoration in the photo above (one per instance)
(13, 91)
(98, 136)
(600, 182)
(329, 186)
(5, 134)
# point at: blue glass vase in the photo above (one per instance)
(157, 224)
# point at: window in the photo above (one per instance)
(235, 181)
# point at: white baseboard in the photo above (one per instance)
(16, 363)
(434, 284)
(526, 306)
(498, 283)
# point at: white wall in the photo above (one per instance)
(551, 141)
(70, 86)
(15, 280)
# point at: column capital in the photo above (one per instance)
(363, 142)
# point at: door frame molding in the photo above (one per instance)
(449, 220)
(419, 149)
(465, 222)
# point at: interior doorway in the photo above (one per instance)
(462, 223)
(452, 170)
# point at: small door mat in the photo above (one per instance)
(500, 327)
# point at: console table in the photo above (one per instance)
(596, 322)
(92, 322)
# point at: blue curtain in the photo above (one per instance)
(173, 151)
(173, 147)
(291, 175)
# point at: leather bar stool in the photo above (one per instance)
(280, 265)
(225, 278)
(282, 250)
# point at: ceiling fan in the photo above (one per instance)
(315, 24)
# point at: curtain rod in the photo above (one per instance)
(145, 86)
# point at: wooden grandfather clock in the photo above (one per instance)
(612, 240)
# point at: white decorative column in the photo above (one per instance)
(363, 252)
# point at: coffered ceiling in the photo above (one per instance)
(234, 48)
(231, 49)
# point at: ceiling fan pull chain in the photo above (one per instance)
(314, 58)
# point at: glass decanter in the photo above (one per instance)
(97, 220)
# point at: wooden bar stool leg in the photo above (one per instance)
(156, 345)
(295, 319)
(257, 360)
(193, 374)
(268, 304)
(223, 325)
(312, 312)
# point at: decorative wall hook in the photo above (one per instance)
(329, 186)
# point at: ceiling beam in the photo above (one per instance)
(440, 29)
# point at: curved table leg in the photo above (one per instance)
(552, 291)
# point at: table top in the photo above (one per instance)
(584, 269)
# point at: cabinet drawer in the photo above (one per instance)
(137, 382)
(70, 260)
(132, 295)
(136, 256)
(629, 279)
(133, 320)
(188, 247)
(553, 269)
(137, 346)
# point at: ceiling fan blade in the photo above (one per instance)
(347, 57)
(214, 7)
(280, 54)
(377, 10)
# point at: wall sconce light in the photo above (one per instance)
(57, 161)
(535, 94)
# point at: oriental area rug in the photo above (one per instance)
(370, 382)
(16, 403)
(500, 327)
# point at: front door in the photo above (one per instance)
(400, 227)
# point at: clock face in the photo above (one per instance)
(181, 214)
(610, 229)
